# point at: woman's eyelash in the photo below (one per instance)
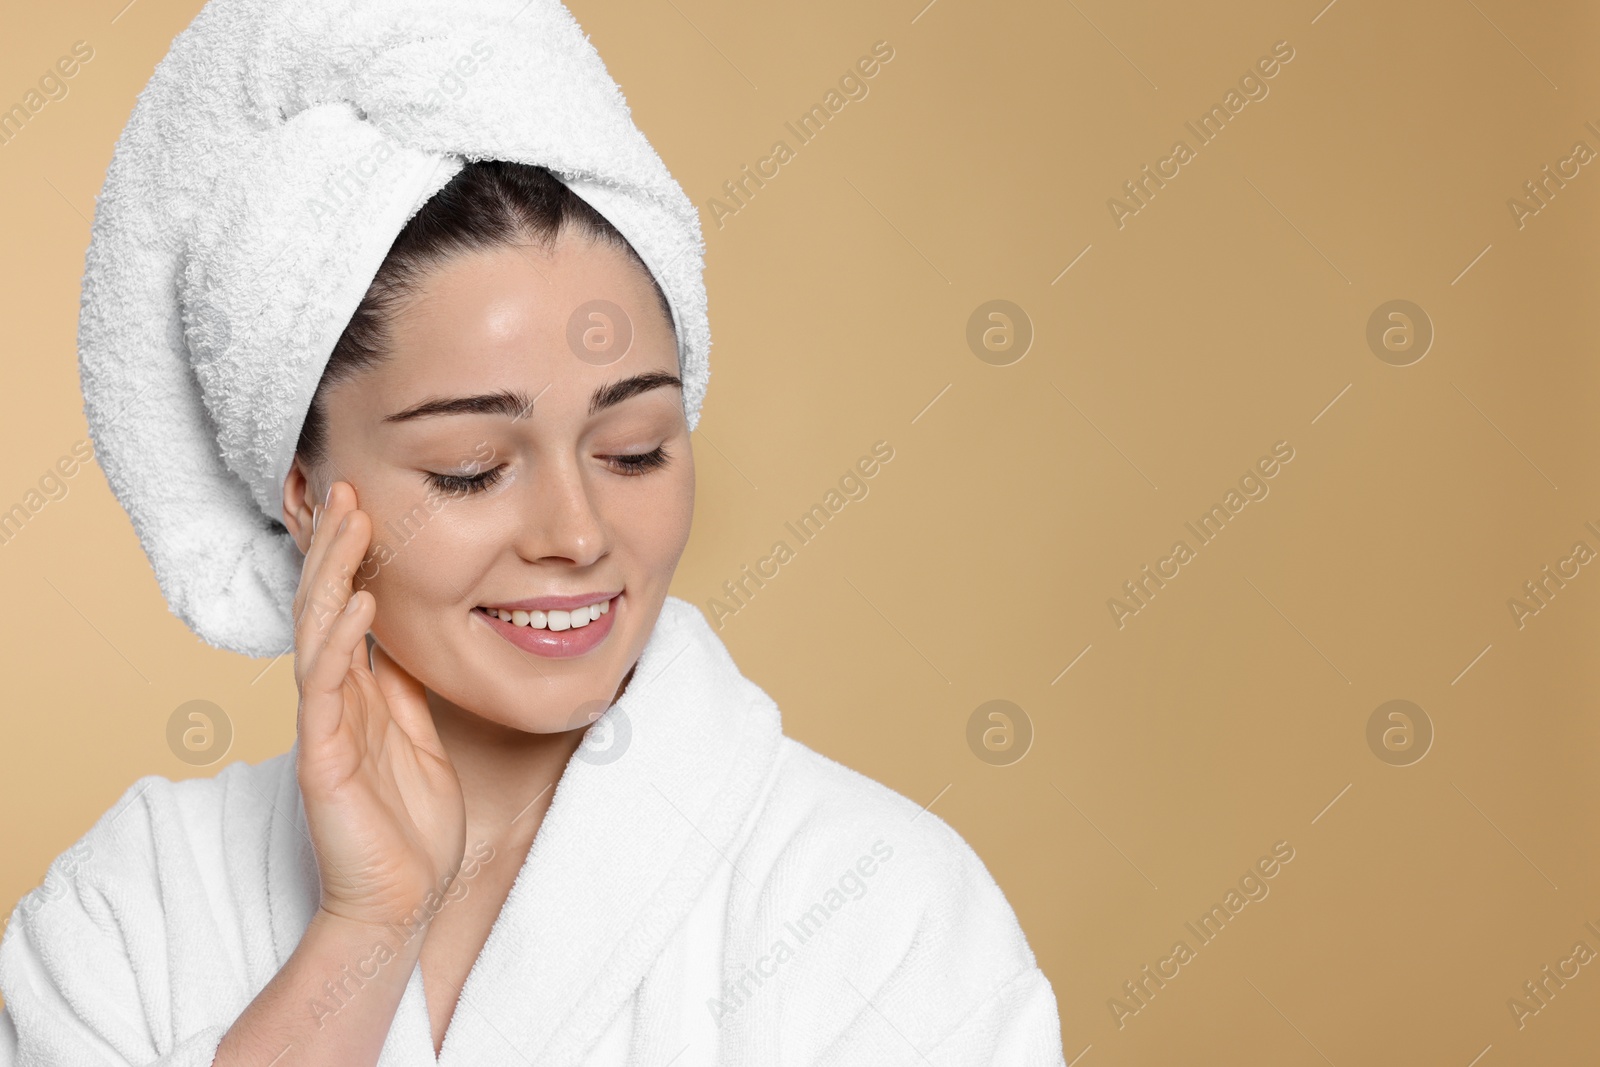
(630, 466)
(643, 462)
(464, 484)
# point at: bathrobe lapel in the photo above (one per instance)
(647, 810)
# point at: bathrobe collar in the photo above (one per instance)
(636, 828)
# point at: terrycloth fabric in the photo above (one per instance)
(715, 894)
(276, 153)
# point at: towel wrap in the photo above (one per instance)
(276, 153)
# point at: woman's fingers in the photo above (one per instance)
(341, 506)
(326, 635)
(322, 699)
(331, 583)
(324, 527)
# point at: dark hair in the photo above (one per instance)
(489, 202)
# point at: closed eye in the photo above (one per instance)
(641, 463)
(628, 465)
(461, 484)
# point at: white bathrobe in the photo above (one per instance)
(703, 890)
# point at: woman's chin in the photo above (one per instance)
(532, 705)
(485, 676)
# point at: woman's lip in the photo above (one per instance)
(555, 644)
(554, 603)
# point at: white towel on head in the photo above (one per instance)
(276, 153)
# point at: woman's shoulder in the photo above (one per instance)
(827, 830)
(847, 893)
(239, 795)
(817, 802)
(148, 898)
(158, 822)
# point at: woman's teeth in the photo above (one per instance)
(575, 619)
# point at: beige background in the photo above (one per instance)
(1228, 314)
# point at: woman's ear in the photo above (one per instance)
(301, 505)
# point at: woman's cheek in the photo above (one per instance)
(681, 510)
(378, 555)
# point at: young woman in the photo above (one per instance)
(533, 814)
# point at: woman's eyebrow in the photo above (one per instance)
(618, 391)
(515, 404)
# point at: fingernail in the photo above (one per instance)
(327, 498)
(316, 518)
(350, 605)
(343, 523)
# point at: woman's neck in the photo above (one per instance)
(508, 776)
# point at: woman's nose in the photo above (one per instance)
(559, 516)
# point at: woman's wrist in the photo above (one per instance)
(334, 999)
(338, 926)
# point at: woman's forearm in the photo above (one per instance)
(331, 1003)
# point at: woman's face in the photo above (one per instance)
(577, 484)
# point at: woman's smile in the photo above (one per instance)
(556, 633)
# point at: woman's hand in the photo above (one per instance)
(383, 803)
